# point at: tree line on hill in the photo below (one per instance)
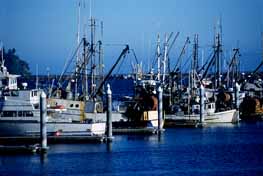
(14, 64)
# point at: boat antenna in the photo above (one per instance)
(36, 76)
(101, 60)
(78, 57)
(2, 54)
(262, 45)
(78, 33)
(48, 80)
(158, 57)
(165, 57)
(90, 4)
(84, 20)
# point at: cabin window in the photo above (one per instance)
(14, 93)
(36, 106)
(9, 114)
(6, 93)
(16, 114)
(71, 105)
(34, 93)
(77, 105)
(20, 113)
(4, 82)
(28, 113)
(209, 106)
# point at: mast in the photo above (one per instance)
(36, 76)
(165, 56)
(78, 57)
(262, 46)
(101, 53)
(85, 69)
(2, 53)
(218, 54)
(2, 56)
(92, 55)
(158, 58)
(194, 64)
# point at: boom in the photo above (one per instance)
(124, 51)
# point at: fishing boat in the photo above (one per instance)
(81, 88)
(78, 94)
(219, 106)
(140, 111)
(209, 115)
(20, 113)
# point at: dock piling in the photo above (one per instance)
(237, 103)
(237, 90)
(109, 115)
(43, 119)
(160, 109)
(202, 107)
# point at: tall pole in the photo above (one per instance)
(86, 92)
(2, 54)
(202, 106)
(101, 61)
(262, 46)
(92, 55)
(77, 58)
(158, 58)
(218, 50)
(194, 62)
(37, 76)
(237, 103)
(237, 90)
(165, 57)
(43, 119)
(109, 114)
(160, 109)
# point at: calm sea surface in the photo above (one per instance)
(216, 150)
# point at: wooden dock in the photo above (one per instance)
(18, 149)
(134, 131)
(22, 140)
(180, 123)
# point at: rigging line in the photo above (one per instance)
(182, 52)
(155, 58)
(206, 62)
(67, 63)
(212, 62)
(133, 52)
(119, 67)
(81, 67)
(170, 36)
(187, 61)
(172, 43)
(117, 44)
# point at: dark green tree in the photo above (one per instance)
(15, 65)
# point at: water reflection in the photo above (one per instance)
(109, 146)
(176, 151)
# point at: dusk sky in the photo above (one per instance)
(44, 32)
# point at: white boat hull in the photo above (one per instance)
(32, 128)
(230, 116)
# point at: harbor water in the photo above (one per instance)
(214, 150)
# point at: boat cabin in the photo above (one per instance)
(210, 108)
(7, 81)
